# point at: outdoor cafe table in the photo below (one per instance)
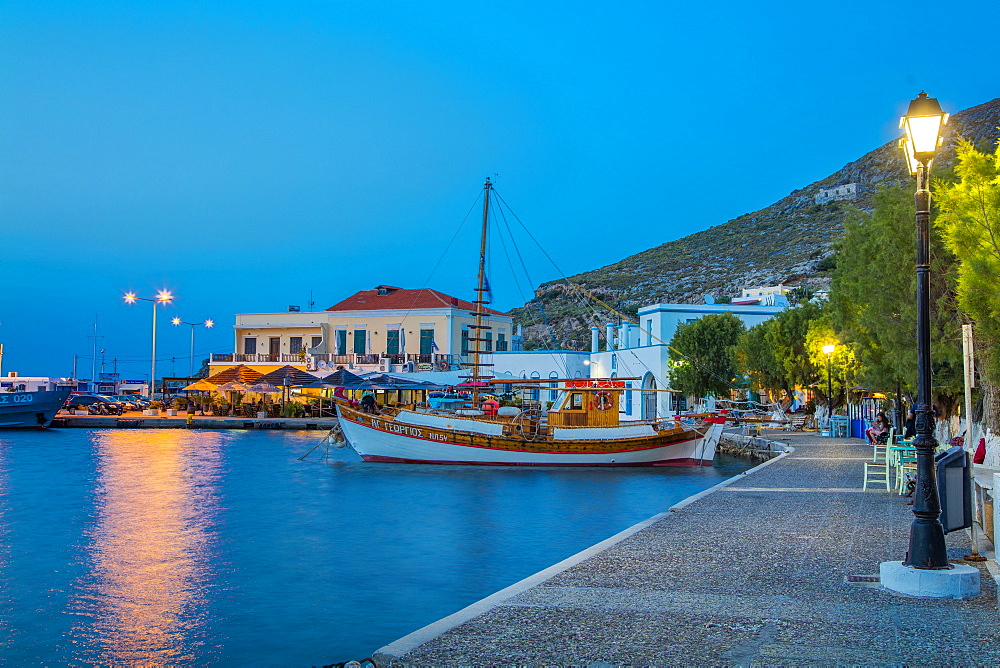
(901, 451)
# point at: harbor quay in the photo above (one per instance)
(779, 566)
(136, 420)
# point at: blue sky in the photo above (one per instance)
(243, 153)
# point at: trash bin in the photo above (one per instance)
(954, 488)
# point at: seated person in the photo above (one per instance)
(368, 404)
(879, 431)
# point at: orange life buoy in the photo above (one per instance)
(602, 401)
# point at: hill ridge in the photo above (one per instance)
(781, 243)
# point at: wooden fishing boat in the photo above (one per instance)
(581, 428)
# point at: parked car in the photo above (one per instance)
(132, 401)
(95, 404)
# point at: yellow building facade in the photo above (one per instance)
(385, 329)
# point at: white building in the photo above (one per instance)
(12, 382)
(841, 192)
(641, 357)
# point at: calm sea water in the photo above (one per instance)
(199, 547)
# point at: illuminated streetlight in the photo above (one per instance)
(923, 123)
(207, 323)
(162, 297)
(828, 349)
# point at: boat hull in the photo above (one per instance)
(30, 410)
(377, 439)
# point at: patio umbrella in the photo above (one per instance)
(233, 387)
(264, 388)
(201, 385)
(295, 377)
(341, 378)
(240, 374)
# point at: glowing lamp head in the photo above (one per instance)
(210, 324)
(828, 349)
(176, 321)
(164, 296)
(923, 124)
(130, 297)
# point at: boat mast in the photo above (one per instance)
(480, 328)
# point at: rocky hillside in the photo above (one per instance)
(783, 243)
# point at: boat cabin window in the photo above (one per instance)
(576, 401)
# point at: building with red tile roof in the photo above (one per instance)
(386, 328)
(387, 297)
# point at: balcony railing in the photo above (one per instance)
(257, 358)
(436, 361)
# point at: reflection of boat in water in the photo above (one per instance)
(31, 409)
(581, 428)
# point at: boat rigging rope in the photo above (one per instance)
(335, 437)
(587, 293)
(527, 275)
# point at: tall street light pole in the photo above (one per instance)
(207, 323)
(162, 297)
(828, 349)
(923, 124)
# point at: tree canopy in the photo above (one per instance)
(970, 221)
(873, 302)
(701, 355)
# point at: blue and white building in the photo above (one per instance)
(641, 353)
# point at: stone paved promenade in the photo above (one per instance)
(751, 574)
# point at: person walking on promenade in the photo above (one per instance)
(879, 431)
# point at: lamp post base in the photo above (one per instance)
(960, 581)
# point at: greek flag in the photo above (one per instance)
(489, 290)
(434, 346)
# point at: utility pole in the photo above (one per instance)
(93, 361)
(74, 367)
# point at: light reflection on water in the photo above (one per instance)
(150, 550)
(184, 547)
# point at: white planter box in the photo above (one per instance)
(151, 411)
(171, 411)
(81, 412)
(261, 414)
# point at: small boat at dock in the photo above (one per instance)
(31, 410)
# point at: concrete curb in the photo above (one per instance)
(398, 648)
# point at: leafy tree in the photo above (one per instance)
(843, 367)
(787, 338)
(701, 354)
(755, 359)
(873, 299)
(970, 221)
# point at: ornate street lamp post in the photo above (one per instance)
(828, 349)
(208, 324)
(923, 124)
(162, 297)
